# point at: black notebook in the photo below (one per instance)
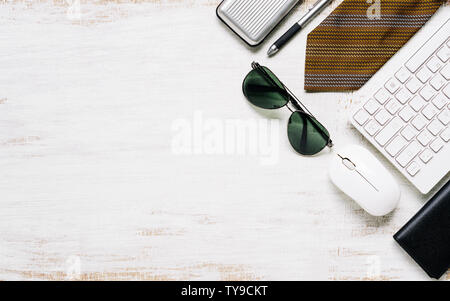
(426, 237)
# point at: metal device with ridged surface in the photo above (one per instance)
(253, 20)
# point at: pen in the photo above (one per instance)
(311, 14)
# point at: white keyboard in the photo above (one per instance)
(408, 118)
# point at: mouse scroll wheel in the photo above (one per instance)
(349, 164)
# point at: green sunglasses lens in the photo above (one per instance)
(306, 135)
(264, 89)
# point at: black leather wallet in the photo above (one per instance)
(426, 237)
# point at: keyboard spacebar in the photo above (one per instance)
(428, 48)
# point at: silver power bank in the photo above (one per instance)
(253, 20)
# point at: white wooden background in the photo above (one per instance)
(91, 188)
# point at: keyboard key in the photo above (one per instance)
(440, 101)
(424, 74)
(413, 168)
(382, 96)
(427, 92)
(419, 122)
(426, 156)
(402, 75)
(361, 117)
(430, 111)
(371, 106)
(435, 127)
(393, 106)
(425, 137)
(437, 145)
(372, 127)
(396, 146)
(393, 85)
(446, 72)
(434, 64)
(407, 113)
(447, 91)
(417, 103)
(438, 81)
(444, 117)
(389, 131)
(416, 61)
(383, 116)
(445, 135)
(403, 96)
(408, 133)
(413, 85)
(444, 53)
(409, 153)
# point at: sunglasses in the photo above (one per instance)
(263, 89)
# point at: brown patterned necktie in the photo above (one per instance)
(356, 40)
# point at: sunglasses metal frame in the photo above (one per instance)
(298, 105)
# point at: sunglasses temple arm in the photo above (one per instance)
(296, 102)
(300, 106)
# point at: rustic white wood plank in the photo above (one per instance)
(93, 185)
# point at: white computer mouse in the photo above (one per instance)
(356, 172)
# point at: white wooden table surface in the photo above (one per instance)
(118, 159)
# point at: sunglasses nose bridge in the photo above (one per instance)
(293, 106)
(294, 103)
